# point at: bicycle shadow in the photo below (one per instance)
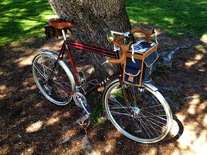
(171, 138)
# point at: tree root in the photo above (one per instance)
(165, 58)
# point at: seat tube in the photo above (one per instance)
(63, 33)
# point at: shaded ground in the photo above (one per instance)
(29, 124)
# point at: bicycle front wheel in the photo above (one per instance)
(141, 114)
(53, 78)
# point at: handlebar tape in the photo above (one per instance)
(124, 49)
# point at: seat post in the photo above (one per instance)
(63, 33)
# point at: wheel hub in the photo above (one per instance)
(135, 111)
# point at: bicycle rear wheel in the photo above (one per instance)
(141, 114)
(53, 78)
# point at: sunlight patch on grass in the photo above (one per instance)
(169, 20)
(5, 2)
(17, 12)
(204, 38)
(28, 24)
(50, 16)
(201, 48)
(133, 21)
(21, 21)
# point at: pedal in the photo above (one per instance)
(81, 120)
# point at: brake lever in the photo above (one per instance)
(127, 34)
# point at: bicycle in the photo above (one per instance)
(136, 109)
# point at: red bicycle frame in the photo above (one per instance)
(68, 45)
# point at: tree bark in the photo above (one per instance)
(92, 22)
(93, 19)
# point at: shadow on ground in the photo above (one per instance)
(32, 125)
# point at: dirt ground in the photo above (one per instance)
(31, 125)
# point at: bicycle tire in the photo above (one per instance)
(140, 114)
(54, 86)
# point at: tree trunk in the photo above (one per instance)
(93, 19)
(92, 22)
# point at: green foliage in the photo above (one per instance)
(172, 96)
(97, 110)
(179, 18)
(33, 96)
(96, 114)
(163, 68)
(21, 20)
(201, 48)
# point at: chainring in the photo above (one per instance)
(80, 99)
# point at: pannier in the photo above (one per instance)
(140, 62)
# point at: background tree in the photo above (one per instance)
(93, 19)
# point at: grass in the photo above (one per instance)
(179, 18)
(97, 111)
(22, 20)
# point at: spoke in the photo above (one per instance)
(117, 104)
(156, 122)
(60, 90)
(144, 127)
(155, 127)
(118, 107)
(151, 126)
(134, 100)
(40, 72)
(153, 115)
(119, 113)
(152, 107)
(148, 127)
(152, 121)
(61, 94)
(137, 126)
